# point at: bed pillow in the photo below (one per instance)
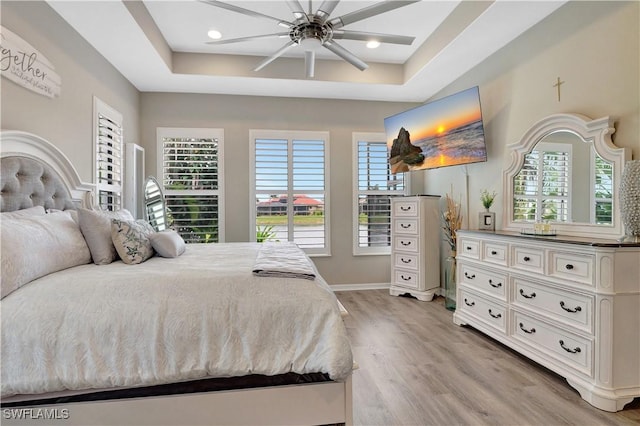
(31, 211)
(96, 228)
(34, 246)
(168, 243)
(131, 240)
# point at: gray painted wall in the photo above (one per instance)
(592, 46)
(66, 121)
(237, 115)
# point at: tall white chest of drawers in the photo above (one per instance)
(570, 304)
(415, 246)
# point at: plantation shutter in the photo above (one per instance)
(191, 178)
(108, 156)
(542, 188)
(290, 175)
(603, 190)
(375, 187)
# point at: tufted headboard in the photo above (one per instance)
(33, 172)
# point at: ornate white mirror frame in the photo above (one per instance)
(599, 132)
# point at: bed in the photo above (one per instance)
(196, 338)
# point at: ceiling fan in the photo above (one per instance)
(314, 29)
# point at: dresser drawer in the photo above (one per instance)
(572, 267)
(489, 282)
(569, 348)
(490, 313)
(405, 208)
(405, 243)
(406, 278)
(405, 226)
(469, 248)
(573, 309)
(405, 261)
(495, 252)
(529, 259)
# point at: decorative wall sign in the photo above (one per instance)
(23, 64)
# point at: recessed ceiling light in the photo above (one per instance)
(216, 35)
(373, 44)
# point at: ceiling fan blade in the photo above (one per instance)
(325, 9)
(249, 38)
(247, 12)
(368, 12)
(297, 10)
(346, 55)
(310, 63)
(275, 56)
(366, 36)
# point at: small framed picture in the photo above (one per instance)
(487, 221)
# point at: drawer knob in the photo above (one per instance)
(530, 331)
(571, 351)
(466, 302)
(405, 278)
(577, 308)
(405, 225)
(498, 315)
(407, 243)
(493, 252)
(405, 209)
(405, 260)
(498, 285)
(526, 258)
(527, 296)
(568, 266)
(468, 248)
(466, 275)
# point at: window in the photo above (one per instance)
(290, 176)
(543, 186)
(602, 178)
(107, 124)
(374, 185)
(191, 175)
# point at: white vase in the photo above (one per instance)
(630, 200)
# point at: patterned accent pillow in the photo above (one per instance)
(131, 240)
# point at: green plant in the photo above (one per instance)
(487, 198)
(265, 233)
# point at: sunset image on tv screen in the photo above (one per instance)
(445, 132)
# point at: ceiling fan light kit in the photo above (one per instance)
(314, 30)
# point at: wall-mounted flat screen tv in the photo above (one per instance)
(444, 132)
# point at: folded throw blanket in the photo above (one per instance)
(283, 259)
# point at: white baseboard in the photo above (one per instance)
(360, 286)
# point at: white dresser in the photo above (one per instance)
(415, 246)
(571, 304)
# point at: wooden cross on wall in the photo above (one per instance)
(558, 83)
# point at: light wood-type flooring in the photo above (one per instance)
(418, 368)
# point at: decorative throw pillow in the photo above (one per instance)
(131, 240)
(96, 228)
(168, 243)
(34, 246)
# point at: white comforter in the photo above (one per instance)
(203, 314)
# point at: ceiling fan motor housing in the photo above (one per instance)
(311, 30)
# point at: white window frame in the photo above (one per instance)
(198, 133)
(100, 108)
(291, 135)
(370, 137)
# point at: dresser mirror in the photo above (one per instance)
(565, 173)
(154, 205)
